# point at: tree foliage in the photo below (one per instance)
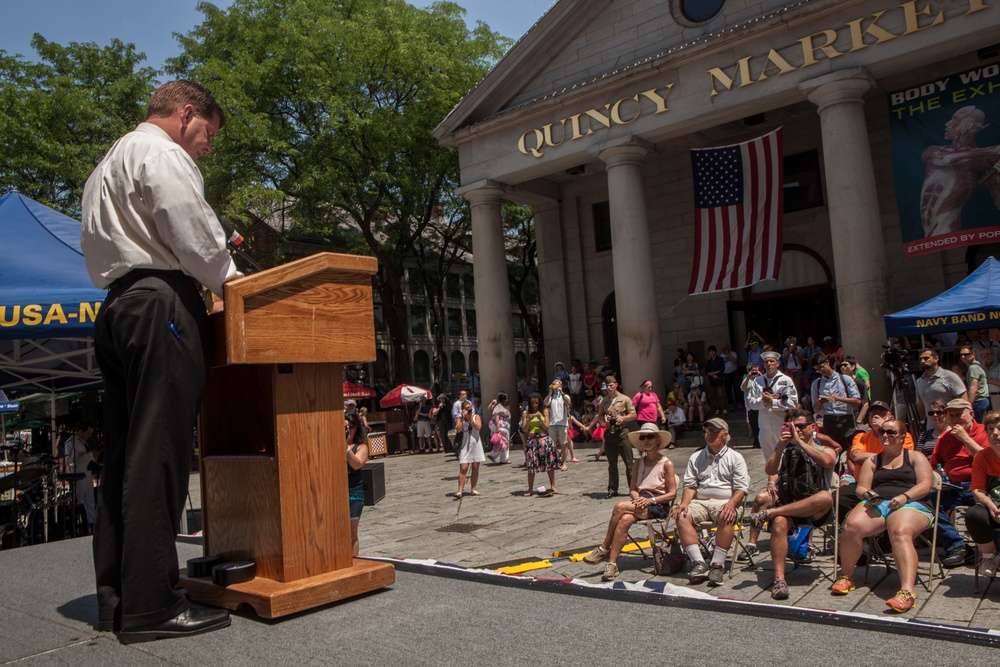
(331, 106)
(59, 115)
(522, 268)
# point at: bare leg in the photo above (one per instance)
(779, 545)
(463, 469)
(552, 480)
(475, 477)
(862, 522)
(619, 510)
(355, 544)
(903, 526)
(621, 536)
(531, 483)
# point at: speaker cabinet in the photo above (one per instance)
(373, 477)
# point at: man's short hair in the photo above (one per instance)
(173, 94)
(991, 419)
(796, 413)
(711, 347)
(931, 351)
(818, 359)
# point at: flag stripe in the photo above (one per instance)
(738, 214)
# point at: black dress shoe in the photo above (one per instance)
(611, 494)
(193, 621)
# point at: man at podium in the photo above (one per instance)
(150, 237)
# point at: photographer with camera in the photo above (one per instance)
(835, 396)
(770, 395)
(558, 406)
(617, 412)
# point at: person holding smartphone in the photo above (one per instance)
(469, 447)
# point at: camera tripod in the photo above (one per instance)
(915, 422)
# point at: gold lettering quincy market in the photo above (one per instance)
(621, 112)
(812, 49)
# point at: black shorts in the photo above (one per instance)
(657, 511)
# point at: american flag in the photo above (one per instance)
(738, 199)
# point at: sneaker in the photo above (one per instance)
(902, 602)
(610, 572)
(779, 591)
(748, 552)
(988, 566)
(843, 585)
(698, 573)
(596, 556)
(716, 574)
(955, 557)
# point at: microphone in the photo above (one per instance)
(235, 241)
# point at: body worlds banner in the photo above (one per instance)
(946, 160)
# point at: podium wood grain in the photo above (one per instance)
(274, 473)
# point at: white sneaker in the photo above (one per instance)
(988, 566)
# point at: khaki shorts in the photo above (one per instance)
(423, 429)
(705, 510)
(558, 435)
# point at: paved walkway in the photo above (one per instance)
(418, 518)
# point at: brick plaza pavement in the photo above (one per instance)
(419, 519)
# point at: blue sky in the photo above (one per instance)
(150, 26)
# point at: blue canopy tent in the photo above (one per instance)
(47, 302)
(973, 303)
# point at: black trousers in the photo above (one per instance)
(151, 338)
(614, 446)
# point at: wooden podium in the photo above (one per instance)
(271, 436)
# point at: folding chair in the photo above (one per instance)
(656, 527)
(975, 566)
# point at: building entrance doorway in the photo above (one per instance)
(778, 315)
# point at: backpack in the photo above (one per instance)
(800, 476)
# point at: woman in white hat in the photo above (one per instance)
(651, 492)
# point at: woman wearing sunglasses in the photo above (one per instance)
(892, 486)
(652, 490)
(937, 425)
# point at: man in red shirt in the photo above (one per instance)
(954, 451)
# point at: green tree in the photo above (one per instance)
(522, 269)
(331, 106)
(59, 115)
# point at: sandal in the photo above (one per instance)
(843, 585)
(902, 602)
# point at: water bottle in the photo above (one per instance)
(943, 474)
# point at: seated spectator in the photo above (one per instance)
(954, 452)
(676, 421)
(697, 400)
(715, 483)
(893, 485)
(984, 517)
(677, 395)
(865, 445)
(804, 466)
(651, 491)
(937, 425)
(771, 495)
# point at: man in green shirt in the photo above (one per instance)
(975, 380)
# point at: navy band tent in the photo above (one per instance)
(47, 302)
(973, 303)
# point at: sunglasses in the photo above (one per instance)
(891, 432)
(801, 427)
(935, 413)
(648, 436)
(710, 430)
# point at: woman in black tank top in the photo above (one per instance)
(892, 484)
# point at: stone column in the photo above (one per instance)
(552, 286)
(855, 223)
(639, 345)
(493, 318)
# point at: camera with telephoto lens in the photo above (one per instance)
(612, 427)
(896, 360)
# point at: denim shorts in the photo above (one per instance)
(356, 507)
(883, 509)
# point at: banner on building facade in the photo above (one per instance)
(738, 205)
(946, 160)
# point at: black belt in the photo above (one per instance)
(138, 274)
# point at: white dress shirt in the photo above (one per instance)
(144, 208)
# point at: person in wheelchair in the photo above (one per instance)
(803, 463)
(715, 483)
(651, 490)
(893, 485)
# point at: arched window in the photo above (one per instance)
(421, 367)
(457, 362)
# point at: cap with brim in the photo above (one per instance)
(609, 379)
(558, 364)
(878, 405)
(665, 436)
(671, 404)
(718, 423)
(770, 354)
(350, 401)
(958, 404)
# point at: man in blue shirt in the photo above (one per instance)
(835, 396)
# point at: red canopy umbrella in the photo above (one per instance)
(404, 393)
(352, 390)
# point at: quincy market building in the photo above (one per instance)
(591, 117)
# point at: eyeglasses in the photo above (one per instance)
(845, 365)
(710, 431)
(935, 413)
(966, 354)
(648, 436)
(891, 432)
